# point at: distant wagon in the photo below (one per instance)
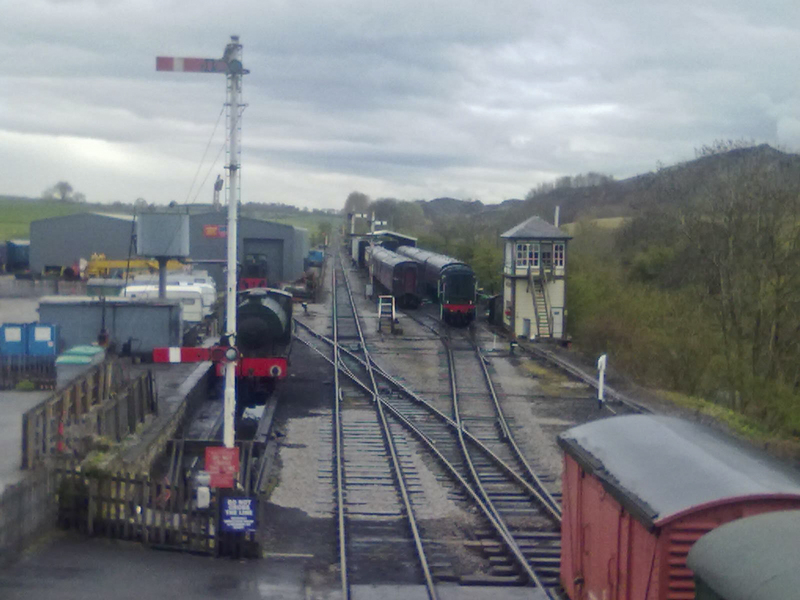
(639, 491)
(396, 275)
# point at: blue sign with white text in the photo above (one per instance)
(239, 514)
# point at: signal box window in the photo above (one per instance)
(527, 255)
(558, 255)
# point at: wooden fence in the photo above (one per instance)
(158, 513)
(100, 403)
(40, 371)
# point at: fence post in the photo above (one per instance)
(27, 441)
(91, 504)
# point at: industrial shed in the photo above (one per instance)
(62, 241)
(284, 246)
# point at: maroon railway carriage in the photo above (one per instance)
(396, 275)
(639, 491)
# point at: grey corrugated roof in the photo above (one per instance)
(756, 558)
(537, 228)
(660, 466)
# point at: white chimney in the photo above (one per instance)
(555, 219)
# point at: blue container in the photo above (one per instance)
(42, 339)
(14, 339)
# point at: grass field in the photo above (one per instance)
(605, 223)
(16, 215)
(308, 221)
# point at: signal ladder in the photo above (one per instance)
(386, 312)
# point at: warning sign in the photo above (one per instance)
(222, 465)
(215, 231)
(239, 514)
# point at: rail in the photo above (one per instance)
(507, 469)
(502, 528)
(435, 445)
(388, 439)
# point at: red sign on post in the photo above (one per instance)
(222, 465)
(215, 231)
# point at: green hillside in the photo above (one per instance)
(16, 214)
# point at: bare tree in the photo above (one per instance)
(745, 225)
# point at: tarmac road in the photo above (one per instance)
(75, 568)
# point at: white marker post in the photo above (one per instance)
(601, 376)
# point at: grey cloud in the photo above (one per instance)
(411, 97)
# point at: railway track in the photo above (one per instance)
(378, 530)
(520, 537)
(531, 515)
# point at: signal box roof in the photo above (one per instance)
(536, 228)
(755, 558)
(660, 468)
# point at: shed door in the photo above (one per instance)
(273, 250)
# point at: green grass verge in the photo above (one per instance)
(780, 444)
(739, 423)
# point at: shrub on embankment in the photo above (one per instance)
(700, 292)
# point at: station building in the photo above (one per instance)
(62, 241)
(534, 280)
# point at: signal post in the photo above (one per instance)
(231, 65)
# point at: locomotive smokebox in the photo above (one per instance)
(263, 322)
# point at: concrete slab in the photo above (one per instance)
(12, 406)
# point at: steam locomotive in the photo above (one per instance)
(447, 280)
(264, 339)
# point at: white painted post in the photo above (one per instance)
(233, 55)
(601, 367)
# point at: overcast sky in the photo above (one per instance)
(407, 99)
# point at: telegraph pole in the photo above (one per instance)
(231, 65)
